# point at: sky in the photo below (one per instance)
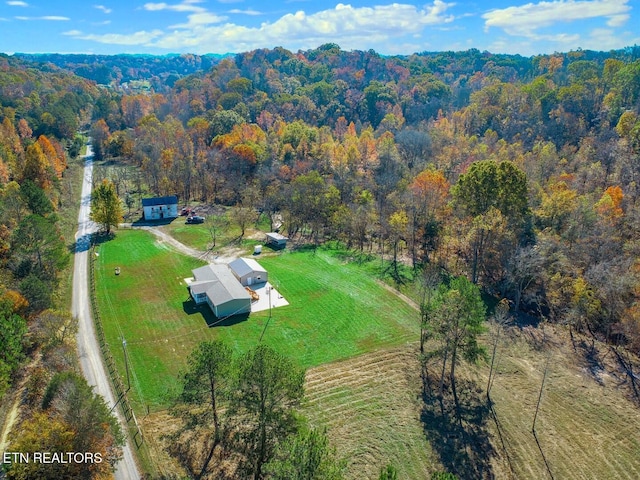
(233, 26)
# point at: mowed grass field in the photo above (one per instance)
(336, 311)
(587, 427)
(358, 343)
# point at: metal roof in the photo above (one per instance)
(220, 285)
(243, 266)
(152, 202)
(276, 236)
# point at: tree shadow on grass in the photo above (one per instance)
(84, 243)
(191, 308)
(141, 222)
(460, 437)
(592, 361)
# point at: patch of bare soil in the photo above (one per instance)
(10, 417)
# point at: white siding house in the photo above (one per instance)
(159, 208)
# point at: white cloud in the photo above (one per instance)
(346, 21)
(138, 38)
(603, 39)
(185, 6)
(618, 20)
(351, 27)
(54, 18)
(16, 3)
(199, 19)
(103, 8)
(525, 20)
(249, 11)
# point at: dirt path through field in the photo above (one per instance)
(224, 255)
(10, 419)
(401, 295)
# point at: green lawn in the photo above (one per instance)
(198, 236)
(336, 311)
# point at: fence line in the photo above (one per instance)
(116, 380)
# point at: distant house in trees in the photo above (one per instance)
(220, 289)
(276, 240)
(248, 271)
(159, 208)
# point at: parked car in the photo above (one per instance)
(185, 211)
(195, 219)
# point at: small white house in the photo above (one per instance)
(248, 271)
(159, 208)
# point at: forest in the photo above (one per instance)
(518, 174)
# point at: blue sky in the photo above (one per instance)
(221, 26)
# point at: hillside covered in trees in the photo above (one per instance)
(41, 112)
(519, 173)
(115, 70)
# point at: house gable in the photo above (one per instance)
(160, 207)
(217, 285)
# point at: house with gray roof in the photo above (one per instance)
(248, 271)
(220, 289)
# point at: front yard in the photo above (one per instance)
(337, 311)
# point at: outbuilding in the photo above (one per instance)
(218, 287)
(159, 208)
(248, 271)
(276, 240)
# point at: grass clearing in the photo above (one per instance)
(371, 408)
(358, 342)
(586, 426)
(336, 312)
(198, 236)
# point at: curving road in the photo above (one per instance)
(88, 348)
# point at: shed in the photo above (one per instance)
(276, 240)
(217, 285)
(248, 271)
(159, 208)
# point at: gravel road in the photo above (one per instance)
(88, 348)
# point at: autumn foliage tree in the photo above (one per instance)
(490, 186)
(106, 208)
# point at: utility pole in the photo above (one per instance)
(268, 319)
(126, 364)
(544, 377)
